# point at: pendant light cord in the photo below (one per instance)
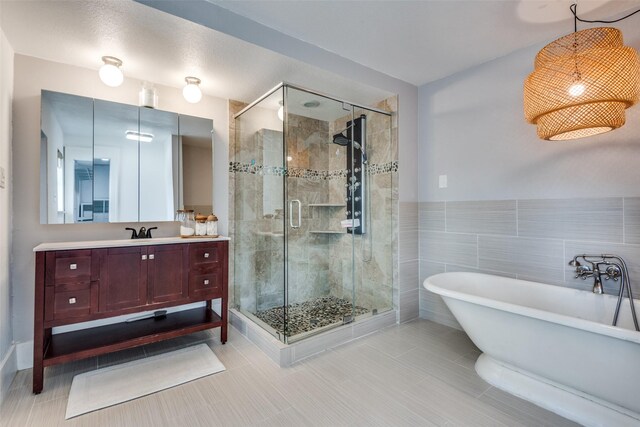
(574, 10)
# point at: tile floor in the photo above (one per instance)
(418, 373)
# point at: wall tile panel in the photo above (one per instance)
(482, 217)
(449, 247)
(432, 216)
(597, 219)
(530, 259)
(632, 220)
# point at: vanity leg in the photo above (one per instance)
(38, 326)
(38, 368)
(225, 321)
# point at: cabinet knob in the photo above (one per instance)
(72, 300)
(144, 257)
(152, 256)
(206, 281)
(206, 254)
(73, 266)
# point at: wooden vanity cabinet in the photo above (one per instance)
(137, 276)
(79, 285)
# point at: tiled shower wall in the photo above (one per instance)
(525, 239)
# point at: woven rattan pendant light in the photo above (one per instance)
(581, 85)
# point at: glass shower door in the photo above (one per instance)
(318, 246)
(258, 217)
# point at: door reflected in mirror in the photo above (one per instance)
(103, 161)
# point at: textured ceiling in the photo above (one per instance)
(415, 41)
(161, 48)
(422, 41)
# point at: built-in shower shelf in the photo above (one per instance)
(328, 205)
(326, 232)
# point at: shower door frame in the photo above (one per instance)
(285, 337)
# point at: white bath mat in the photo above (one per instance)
(116, 384)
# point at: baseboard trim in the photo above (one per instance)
(24, 355)
(8, 369)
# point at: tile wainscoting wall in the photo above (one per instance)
(525, 239)
(408, 285)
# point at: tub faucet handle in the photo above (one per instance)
(582, 271)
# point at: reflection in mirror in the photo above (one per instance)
(66, 144)
(108, 162)
(116, 148)
(159, 158)
(197, 164)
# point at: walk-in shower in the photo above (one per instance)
(312, 212)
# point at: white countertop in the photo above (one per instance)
(91, 244)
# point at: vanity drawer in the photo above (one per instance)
(203, 255)
(69, 302)
(68, 266)
(206, 283)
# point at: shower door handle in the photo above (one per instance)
(291, 202)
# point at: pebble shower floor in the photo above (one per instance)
(310, 315)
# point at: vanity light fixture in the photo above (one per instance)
(110, 72)
(138, 136)
(582, 83)
(191, 91)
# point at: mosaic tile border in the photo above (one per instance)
(320, 175)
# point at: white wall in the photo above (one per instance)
(472, 129)
(33, 75)
(7, 356)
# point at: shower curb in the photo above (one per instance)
(287, 354)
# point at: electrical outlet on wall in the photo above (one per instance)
(442, 181)
(2, 177)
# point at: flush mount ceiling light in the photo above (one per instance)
(138, 136)
(110, 73)
(191, 91)
(582, 83)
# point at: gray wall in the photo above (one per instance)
(32, 75)
(472, 129)
(517, 205)
(7, 358)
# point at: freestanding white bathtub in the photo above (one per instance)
(550, 345)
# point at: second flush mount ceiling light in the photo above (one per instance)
(191, 91)
(110, 72)
(582, 83)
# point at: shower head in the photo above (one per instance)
(340, 139)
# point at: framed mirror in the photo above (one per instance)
(103, 161)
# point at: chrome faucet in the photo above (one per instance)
(614, 268)
(584, 271)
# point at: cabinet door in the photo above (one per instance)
(168, 273)
(123, 280)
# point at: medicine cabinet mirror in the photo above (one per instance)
(103, 161)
